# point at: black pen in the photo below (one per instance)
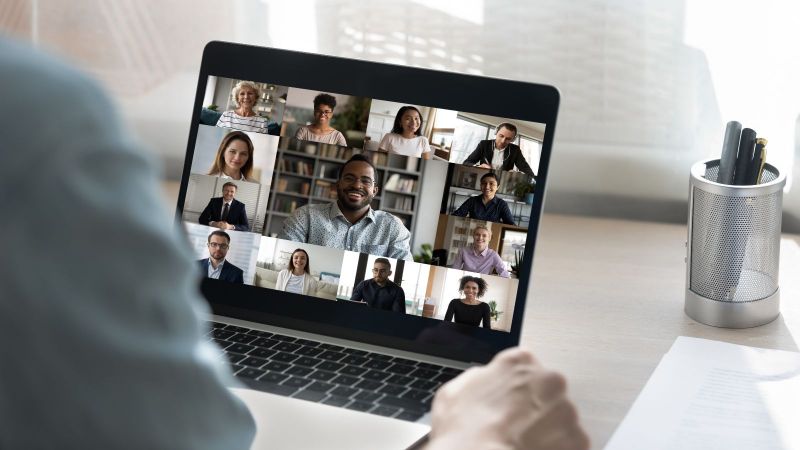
(755, 166)
(745, 156)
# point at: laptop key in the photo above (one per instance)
(401, 369)
(345, 380)
(332, 356)
(283, 337)
(444, 377)
(221, 334)
(375, 375)
(354, 360)
(424, 365)
(264, 342)
(342, 391)
(425, 385)
(399, 379)
(242, 338)
(425, 374)
(320, 386)
(312, 396)
(336, 401)
(262, 352)
(352, 370)
(414, 394)
(360, 406)
(307, 342)
(286, 347)
(376, 364)
(276, 366)
(330, 365)
(321, 375)
(309, 351)
(240, 348)
(299, 371)
(296, 382)
(391, 389)
(252, 361)
(284, 357)
(307, 362)
(410, 416)
(367, 396)
(368, 385)
(386, 411)
(273, 377)
(452, 371)
(249, 372)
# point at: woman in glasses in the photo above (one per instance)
(320, 130)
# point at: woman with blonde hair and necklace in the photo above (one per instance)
(244, 117)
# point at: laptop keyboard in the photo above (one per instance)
(331, 374)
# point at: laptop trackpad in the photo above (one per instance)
(284, 422)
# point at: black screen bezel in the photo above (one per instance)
(452, 91)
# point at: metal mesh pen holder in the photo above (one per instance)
(733, 248)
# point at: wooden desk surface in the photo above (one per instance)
(607, 304)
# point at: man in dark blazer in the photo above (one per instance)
(487, 153)
(232, 217)
(215, 265)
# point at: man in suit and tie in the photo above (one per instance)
(225, 212)
(215, 265)
(499, 153)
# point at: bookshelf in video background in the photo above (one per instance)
(303, 178)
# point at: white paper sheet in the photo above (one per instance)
(713, 395)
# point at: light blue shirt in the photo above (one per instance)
(99, 291)
(377, 233)
(212, 272)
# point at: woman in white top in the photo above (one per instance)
(320, 130)
(297, 277)
(234, 158)
(244, 117)
(406, 137)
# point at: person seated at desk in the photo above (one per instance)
(215, 265)
(297, 277)
(234, 158)
(500, 153)
(406, 136)
(379, 291)
(350, 223)
(486, 206)
(320, 130)
(479, 257)
(225, 212)
(469, 310)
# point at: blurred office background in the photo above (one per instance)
(647, 85)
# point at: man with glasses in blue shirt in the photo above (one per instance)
(350, 223)
(215, 265)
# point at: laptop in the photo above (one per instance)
(366, 232)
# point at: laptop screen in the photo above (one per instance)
(347, 208)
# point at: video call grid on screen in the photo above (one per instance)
(278, 152)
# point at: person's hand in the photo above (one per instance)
(513, 402)
(484, 166)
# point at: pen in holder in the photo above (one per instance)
(733, 248)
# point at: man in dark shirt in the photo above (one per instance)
(486, 206)
(379, 291)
